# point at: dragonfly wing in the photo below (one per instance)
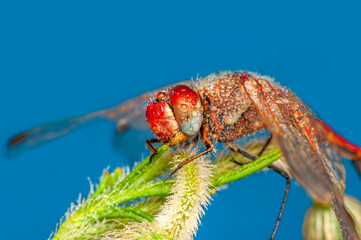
(286, 116)
(340, 144)
(344, 218)
(43, 134)
(311, 173)
(130, 113)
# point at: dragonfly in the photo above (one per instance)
(224, 107)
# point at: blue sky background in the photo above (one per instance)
(61, 59)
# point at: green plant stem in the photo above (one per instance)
(113, 190)
(127, 212)
(248, 169)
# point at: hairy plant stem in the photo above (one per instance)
(121, 198)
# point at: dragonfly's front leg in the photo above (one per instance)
(152, 148)
(209, 148)
(188, 160)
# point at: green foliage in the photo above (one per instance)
(140, 205)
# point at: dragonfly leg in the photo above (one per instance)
(238, 163)
(265, 146)
(285, 195)
(284, 174)
(244, 153)
(209, 148)
(240, 150)
(151, 147)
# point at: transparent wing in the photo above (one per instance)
(312, 159)
(342, 145)
(289, 118)
(306, 120)
(127, 114)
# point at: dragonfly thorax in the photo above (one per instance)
(229, 113)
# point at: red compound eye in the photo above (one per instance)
(187, 109)
(182, 94)
(161, 120)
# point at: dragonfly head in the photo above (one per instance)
(175, 115)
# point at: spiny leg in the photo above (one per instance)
(202, 134)
(209, 148)
(151, 147)
(288, 182)
(241, 151)
(265, 146)
(156, 140)
(287, 189)
(274, 168)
